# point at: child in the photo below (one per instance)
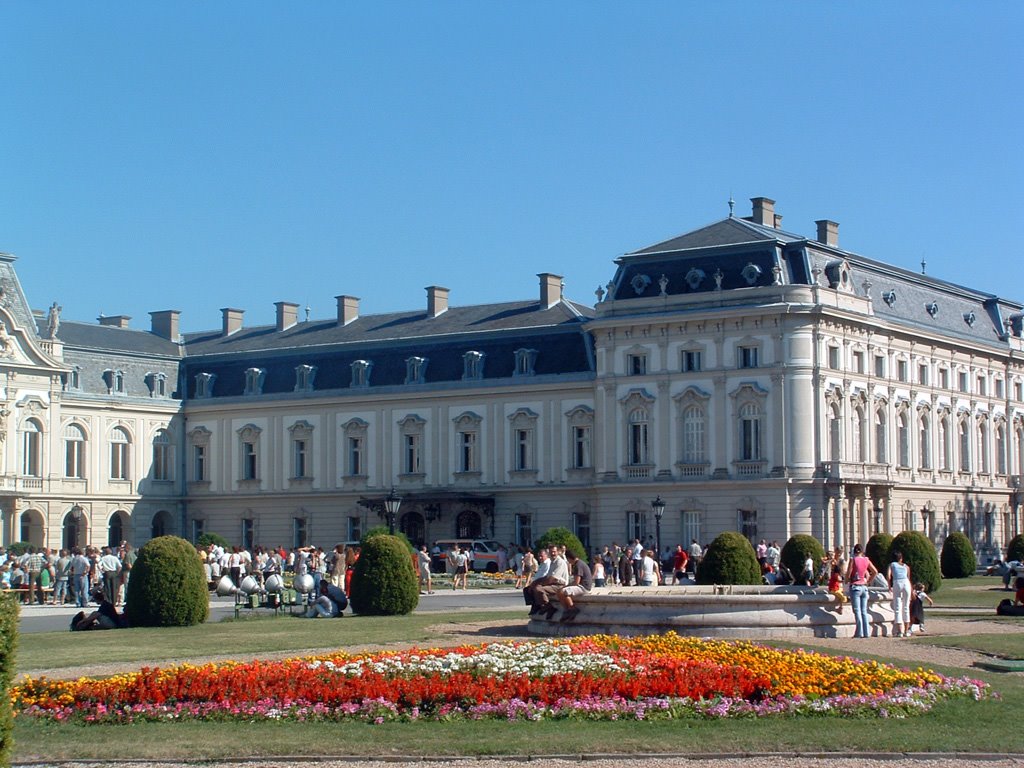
(917, 607)
(835, 585)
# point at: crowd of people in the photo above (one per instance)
(44, 576)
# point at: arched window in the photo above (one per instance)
(694, 450)
(881, 443)
(965, 445)
(31, 448)
(835, 433)
(925, 440)
(1001, 448)
(468, 525)
(638, 436)
(945, 448)
(163, 456)
(74, 451)
(750, 432)
(119, 452)
(983, 463)
(161, 525)
(903, 437)
(859, 427)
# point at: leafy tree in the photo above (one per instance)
(384, 581)
(206, 539)
(796, 551)
(563, 537)
(168, 586)
(1015, 549)
(729, 560)
(919, 554)
(958, 559)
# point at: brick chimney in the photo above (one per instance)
(550, 289)
(287, 314)
(232, 320)
(114, 321)
(165, 323)
(437, 300)
(828, 232)
(764, 211)
(348, 309)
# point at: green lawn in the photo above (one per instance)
(963, 726)
(975, 592)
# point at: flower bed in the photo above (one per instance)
(593, 678)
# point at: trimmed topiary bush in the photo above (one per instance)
(206, 539)
(795, 552)
(729, 560)
(919, 554)
(168, 586)
(382, 530)
(1015, 549)
(877, 551)
(958, 559)
(384, 582)
(8, 648)
(565, 538)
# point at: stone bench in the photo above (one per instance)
(716, 611)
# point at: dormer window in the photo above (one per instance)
(157, 383)
(524, 361)
(473, 366)
(115, 381)
(204, 384)
(415, 370)
(254, 381)
(73, 382)
(361, 373)
(304, 375)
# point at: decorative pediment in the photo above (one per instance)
(637, 396)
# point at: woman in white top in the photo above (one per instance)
(650, 575)
(899, 579)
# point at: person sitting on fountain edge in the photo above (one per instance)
(581, 582)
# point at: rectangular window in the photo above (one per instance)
(636, 364)
(198, 527)
(199, 463)
(249, 461)
(858, 362)
(1018, 391)
(299, 534)
(922, 374)
(74, 455)
(748, 524)
(30, 464)
(944, 378)
(300, 457)
(580, 447)
(355, 529)
(467, 451)
(833, 358)
(524, 439)
(880, 366)
(163, 464)
(638, 443)
(411, 455)
(963, 382)
(691, 361)
(750, 439)
(355, 456)
(691, 526)
(524, 530)
(635, 526)
(999, 388)
(748, 357)
(581, 527)
(119, 461)
(901, 370)
(982, 388)
(248, 533)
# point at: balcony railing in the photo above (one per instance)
(750, 468)
(638, 471)
(691, 471)
(851, 470)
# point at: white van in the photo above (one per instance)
(484, 554)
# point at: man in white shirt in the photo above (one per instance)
(558, 577)
(529, 592)
(110, 571)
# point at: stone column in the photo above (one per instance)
(840, 533)
(725, 427)
(664, 405)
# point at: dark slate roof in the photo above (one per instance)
(396, 327)
(731, 231)
(110, 338)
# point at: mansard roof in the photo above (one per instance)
(91, 336)
(393, 327)
(731, 231)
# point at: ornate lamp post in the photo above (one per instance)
(392, 502)
(658, 506)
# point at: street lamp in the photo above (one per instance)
(658, 505)
(391, 504)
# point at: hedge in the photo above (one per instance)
(8, 650)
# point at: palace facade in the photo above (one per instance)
(751, 378)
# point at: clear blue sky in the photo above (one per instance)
(195, 156)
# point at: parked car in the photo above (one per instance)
(484, 554)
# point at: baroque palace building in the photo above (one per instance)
(753, 379)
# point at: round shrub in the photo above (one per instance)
(8, 648)
(168, 586)
(382, 530)
(729, 560)
(384, 582)
(958, 559)
(206, 539)
(563, 537)
(919, 554)
(1015, 549)
(796, 550)
(877, 551)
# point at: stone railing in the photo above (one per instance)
(716, 611)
